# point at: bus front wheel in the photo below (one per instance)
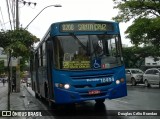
(100, 100)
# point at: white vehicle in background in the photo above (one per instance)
(152, 76)
(134, 76)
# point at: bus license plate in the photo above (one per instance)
(93, 92)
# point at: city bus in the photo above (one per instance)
(78, 61)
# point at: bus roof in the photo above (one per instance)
(47, 34)
(83, 21)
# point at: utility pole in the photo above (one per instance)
(10, 81)
(9, 78)
(17, 27)
(17, 14)
(18, 59)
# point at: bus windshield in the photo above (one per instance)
(77, 52)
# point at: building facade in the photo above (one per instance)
(150, 61)
(3, 56)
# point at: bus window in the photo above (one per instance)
(81, 51)
(44, 54)
(58, 53)
(37, 59)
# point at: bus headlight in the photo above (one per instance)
(117, 82)
(60, 85)
(120, 81)
(66, 86)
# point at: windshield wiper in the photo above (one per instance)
(79, 42)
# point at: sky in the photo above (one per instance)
(70, 10)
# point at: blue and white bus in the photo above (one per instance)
(78, 61)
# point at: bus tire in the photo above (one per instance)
(159, 84)
(100, 100)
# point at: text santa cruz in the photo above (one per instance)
(102, 80)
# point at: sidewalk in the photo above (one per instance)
(17, 100)
(3, 96)
(29, 89)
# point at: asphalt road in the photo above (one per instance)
(139, 98)
(139, 102)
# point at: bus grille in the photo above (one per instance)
(90, 86)
(86, 77)
(79, 77)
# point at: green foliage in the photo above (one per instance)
(4, 41)
(19, 41)
(145, 31)
(146, 21)
(135, 56)
(133, 9)
(2, 68)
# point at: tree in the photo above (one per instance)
(145, 31)
(19, 41)
(2, 68)
(134, 57)
(134, 9)
(146, 20)
(16, 43)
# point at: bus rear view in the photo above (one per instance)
(84, 62)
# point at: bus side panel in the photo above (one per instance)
(42, 80)
(34, 80)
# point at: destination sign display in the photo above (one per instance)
(99, 26)
(76, 64)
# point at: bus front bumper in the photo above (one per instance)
(65, 96)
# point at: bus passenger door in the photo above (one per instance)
(49, 88)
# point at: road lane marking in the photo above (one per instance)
(120, 101)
